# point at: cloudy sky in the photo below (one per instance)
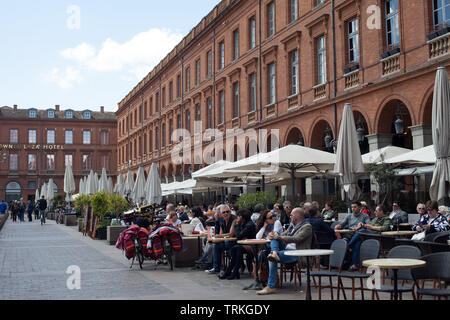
(84, 54)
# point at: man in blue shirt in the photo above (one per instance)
(3, 207)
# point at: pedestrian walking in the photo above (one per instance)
(30, 209)
(42, 205)
(14, 211)
(21, 210)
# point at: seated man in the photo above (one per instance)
(297, 237)
(379, 224)
(225, 223)
(352, 220)
(398, 215)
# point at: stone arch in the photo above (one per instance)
(251, 148)
(388, 114)
(317, 132)
(426, 107)
(385, 102)
(368, 125)
(13, 191)
(294, 136)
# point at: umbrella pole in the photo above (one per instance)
(263, 183)
(293, 184)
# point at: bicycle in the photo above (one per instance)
(165, 259)
(59, 216)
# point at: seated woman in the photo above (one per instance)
(244, 228)
(430, 222)
(196, 214)
(266, 224)
(328, 212)
(173, 219)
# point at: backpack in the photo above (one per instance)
(128, 241)
(143, 236)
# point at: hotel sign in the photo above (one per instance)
(31, 147)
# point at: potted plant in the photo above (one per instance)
(101, 229)
(117, 205)
(99, 202)
(81, 203)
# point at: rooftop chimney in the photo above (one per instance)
(102, 109)
(57, 107)
(15, 107)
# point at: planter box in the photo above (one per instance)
(113, 232)
(101, 234)
(187, 258)
(50, 215)
(70, 220)
(80, 225)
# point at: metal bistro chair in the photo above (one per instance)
(437, 268)
(339, 247)
(369, 250)
(428, 247)
(441, 237)
(406, 252)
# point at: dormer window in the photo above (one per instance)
(51, 114)
(69, 114)
(86, 115)
(32, 113)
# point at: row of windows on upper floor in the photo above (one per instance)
(68, 114)
(68, 134)
(50, 162)
(441, 17)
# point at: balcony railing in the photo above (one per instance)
(320, 91)
(352, 79)
(439, 46)
(293, 101)
(391, 64)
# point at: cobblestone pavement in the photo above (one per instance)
(34, 260)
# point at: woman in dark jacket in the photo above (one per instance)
(244, 228)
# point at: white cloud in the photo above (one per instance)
(136, 57)
(66, 78)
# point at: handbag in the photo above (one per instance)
(419, 236)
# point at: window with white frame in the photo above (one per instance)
(441, 13)
(321, 60)
(50, 162)
(69, 114)
(13, 162)
(221, 106)
(86, 115)
(209, 107)
(32, 136)
(50, 136)
(209, 64)
(392, 27)
(32, 162)
(51, 114)
(293, 10)
(353, 41)
(14, 136)
(253, 92)
(69, 137)
(272, 82)
(221, 55)
(68, 160)
(236, 100)
(104, 137)
(86, 137)
(236, 44)
(270, 19)
(188, 79)
(294, 71)
(86, 161)
(252, 35)
(32, 113)
(197, 72)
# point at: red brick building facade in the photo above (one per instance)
(291, 65)
(35, 145)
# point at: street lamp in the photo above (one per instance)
(329, 141)
(300, 141)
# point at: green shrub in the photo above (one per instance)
(100, 204)
(117, 204)
(249, 200)
(81, 202)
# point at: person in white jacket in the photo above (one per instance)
(266, 224)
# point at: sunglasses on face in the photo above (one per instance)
(225, 212)
(421, 208)
(268, 218)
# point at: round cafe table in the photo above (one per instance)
(394, 264)
(254, 243)
(218, 240)
(399, 233)
(307, 254)
(344, 230)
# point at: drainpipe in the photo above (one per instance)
(260, 65)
